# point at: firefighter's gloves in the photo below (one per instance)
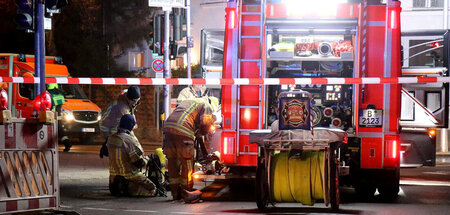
(104, 150)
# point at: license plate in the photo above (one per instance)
(88, 130)
(370, 118)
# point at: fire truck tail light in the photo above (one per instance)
(394, 149)
(3, 99)
(391, 148)
(228, 146)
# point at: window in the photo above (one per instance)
(407, 104)
(27, 91)
(212, 47)
(424, 54)
(433, 101)
(137, 60)
(72, 91)
(428, 3)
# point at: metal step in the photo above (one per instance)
(251, 37)
(249, 60)
(251, 13)
(243, 106)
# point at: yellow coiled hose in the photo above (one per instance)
(298, 178)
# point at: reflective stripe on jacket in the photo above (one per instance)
(115, 111)
(190, 117)
(124, 150)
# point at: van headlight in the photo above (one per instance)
(99, 117)
(68, 115)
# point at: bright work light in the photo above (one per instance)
(313, 8)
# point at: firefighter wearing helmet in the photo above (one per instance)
(126, 161)
(190, 119)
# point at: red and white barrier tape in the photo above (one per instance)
(228, 81)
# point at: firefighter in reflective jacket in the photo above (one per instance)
(191, 118)
(125, 104)
(57, 103)
(126, 158)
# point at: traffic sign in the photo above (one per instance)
(158, 65)
(167, 3)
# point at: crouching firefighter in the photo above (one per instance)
(126, 161)
(190, 118)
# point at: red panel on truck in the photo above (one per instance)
(245, 147)
(371, 152)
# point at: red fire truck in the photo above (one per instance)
(317, 39)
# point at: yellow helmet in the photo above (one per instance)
(214, 103)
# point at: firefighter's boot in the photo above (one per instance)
(176, 191)
(67, 145)
(192, 196)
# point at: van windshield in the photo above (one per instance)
(72, 91)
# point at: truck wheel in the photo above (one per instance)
(334, 180)
(261, 191)
(391, 187)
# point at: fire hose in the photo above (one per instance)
(298, 177)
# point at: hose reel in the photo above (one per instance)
(302, 176)
(297, 167)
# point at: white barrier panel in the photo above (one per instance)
(28, 166)
(229, 81)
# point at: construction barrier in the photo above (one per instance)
(228, 81)
(28, 166)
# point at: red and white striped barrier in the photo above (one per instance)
(23, 205)
(28, 166)
(228, 81)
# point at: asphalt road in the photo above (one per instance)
(84, 189)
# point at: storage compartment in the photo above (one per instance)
(293, 55)
(310, 48)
